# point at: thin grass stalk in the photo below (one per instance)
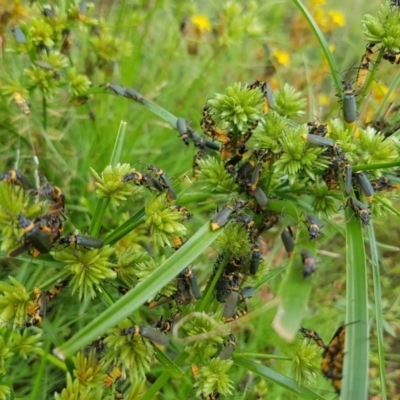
(378, 309)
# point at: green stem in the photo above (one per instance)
(125, 228)
(98, 215)
(378, 309)
(367, 167)
(44, 106)
(119, 144)
(266, 356)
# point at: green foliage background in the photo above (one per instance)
(179, 69)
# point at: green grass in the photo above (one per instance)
(177, 71)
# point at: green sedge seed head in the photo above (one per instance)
(307, 363)
(384, 27)
(14, 303)
(239, 106)
(213, 378)
(12, 87)
(324, 201)
(375, 148)
(299, 155)
(109, 183)
(214, 176)
(25, 343)
(41, 32)
(88, 370)
(235, 238)
(78, 83)
(133, 352)
(4, 392)
(12, 203)
(89, 267)
(43, 79)
(85, 19)
(373, 29)
(201, 325)
(5, 353)
(109, 48)
(267, 135)
(164, 223)
(288, 102)
(129, 262)
(71, 391)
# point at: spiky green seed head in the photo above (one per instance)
(307, 363)
(88, 370)
(26, 343)
(324, 201)
(133, 352)
(213, 378)
(202, 325)
(14, 303)
(164, 223)
(375, 148)
(235, 238)
(109, 183)
(214, 176)
(239, 106)
(299, 156)
(78, 83)
(288, 102)
(89, 267)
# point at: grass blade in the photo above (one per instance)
(378, 309)
(355, 369)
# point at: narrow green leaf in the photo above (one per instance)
(119, 144)
(98, 215)
(378, 309)
(356, 359)
(269, 374)
(127, 304)
(125, 228)
(367, 167)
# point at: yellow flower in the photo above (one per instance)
(281, 56)
(337, 17)
(323, 100)
(202, 22)
(321, 20)
(332, 48)
(318, 2)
